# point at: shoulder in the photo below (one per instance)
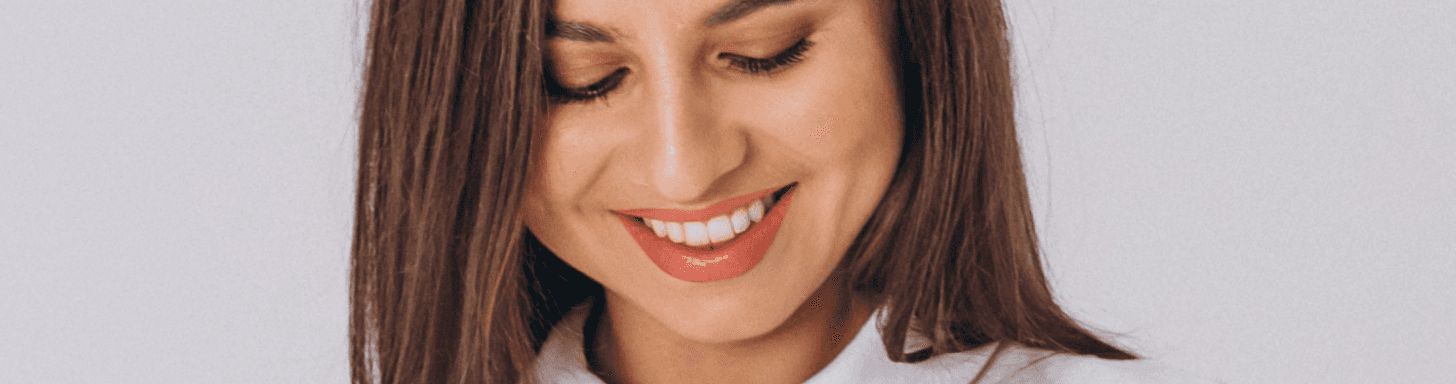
(1022, 365)
(864, 360)
(1011, 364)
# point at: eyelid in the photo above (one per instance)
(582, 76)
(755, 66)
(561, 61)
(769, 65)
(564, 95)
(572, 63)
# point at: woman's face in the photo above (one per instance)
(710, 161)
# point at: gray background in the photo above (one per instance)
(1251, 190)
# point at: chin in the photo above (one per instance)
(736, 317)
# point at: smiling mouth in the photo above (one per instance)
(717, 231)
(719, 242)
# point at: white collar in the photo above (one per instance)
(563, 360)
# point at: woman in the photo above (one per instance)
(643, 191)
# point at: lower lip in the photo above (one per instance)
(728, 261)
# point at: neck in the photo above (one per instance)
(630, 348)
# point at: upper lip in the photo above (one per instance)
(724, 207)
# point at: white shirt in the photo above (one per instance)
(563, 360)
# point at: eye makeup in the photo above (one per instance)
(564, 95)
(768, 66)
(748, 65)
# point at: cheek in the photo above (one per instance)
(538, 204)
(551, 204)
(567, 157)
(553, 173)
(554, 184)
(834, 117)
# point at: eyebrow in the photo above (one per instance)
(740, 8)
(576, 32)
(737, 9)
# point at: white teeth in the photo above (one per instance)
(755, 211)
(696, 232)
(740, 221)
(717, 230)
(674, 232)
(720, 229)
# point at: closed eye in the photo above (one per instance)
(768, 66)
(563, 95)
(749, 65)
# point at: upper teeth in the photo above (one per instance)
(717, 230)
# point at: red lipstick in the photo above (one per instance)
(729, 260)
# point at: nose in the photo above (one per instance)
(687, 146)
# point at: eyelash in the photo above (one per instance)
(599, 89)
(749, 65)
(783, 60)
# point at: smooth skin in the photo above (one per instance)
(686, 127)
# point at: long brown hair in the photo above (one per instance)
(448, 286)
